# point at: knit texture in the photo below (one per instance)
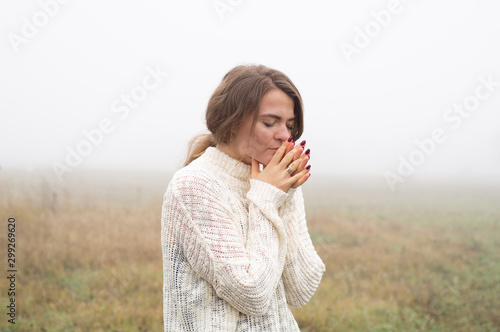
(236, 251)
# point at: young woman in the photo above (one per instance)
(236, 250)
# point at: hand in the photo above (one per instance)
(276, 174)
(305, 158)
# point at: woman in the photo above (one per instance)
(236, 250)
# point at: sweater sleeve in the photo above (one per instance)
(243, 272)
(303, 267)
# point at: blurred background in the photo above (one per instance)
(402, 100)
(370, 89)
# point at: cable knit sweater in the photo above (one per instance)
(236, 251)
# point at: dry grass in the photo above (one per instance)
(89, 256)
(414, 262)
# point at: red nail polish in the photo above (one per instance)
(308, 151)
(290, 139)
(303, 143)
(308, 167)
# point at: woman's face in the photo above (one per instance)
(273, 127)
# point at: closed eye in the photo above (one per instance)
(269, 125)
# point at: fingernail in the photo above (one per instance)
(303, 143)
(308, 167)
(290, 139)
(308, 151)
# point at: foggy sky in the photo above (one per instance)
(408, 88)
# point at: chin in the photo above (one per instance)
(264, 160)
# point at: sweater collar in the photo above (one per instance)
(232, 166)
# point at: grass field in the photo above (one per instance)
(88, 255)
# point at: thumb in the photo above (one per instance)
(255, 168)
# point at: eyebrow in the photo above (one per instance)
(274, 116)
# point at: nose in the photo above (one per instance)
(282, 133)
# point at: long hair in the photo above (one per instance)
(238, 96)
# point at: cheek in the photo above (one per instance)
(259, 146)
(262, 140)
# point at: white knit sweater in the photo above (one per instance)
(236, 251)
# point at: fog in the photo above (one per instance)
(395, 90)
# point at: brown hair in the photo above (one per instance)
(238, 96)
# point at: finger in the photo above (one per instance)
(278, 155)
(303, 163)
(289, 147)
(288, 158)
(298, 153)
(308, 152)
(295, 166)
(255, 168)
(301, 177)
